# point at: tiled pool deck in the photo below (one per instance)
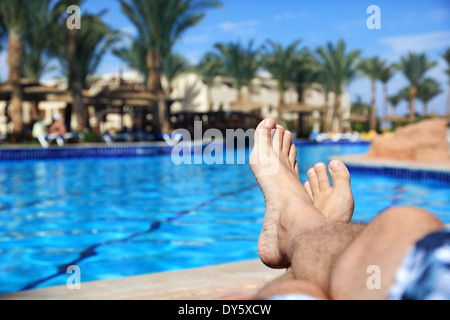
(239, 280)
(231, 281)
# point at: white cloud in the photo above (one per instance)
(439, 14)
(292, 15)
(352, 25)
(240, 28)
(200, 38)
(229, 25)
(129, 30)
(417, 42)
(193, 56)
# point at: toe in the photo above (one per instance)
(292, 155)
(322, 176)
(339, 174)
(308, 189)
(263, 136)
(267, 123)
(313, 182)
(287, 140)
(278, 138)
(296, 169)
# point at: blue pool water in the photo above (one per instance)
(129, 216)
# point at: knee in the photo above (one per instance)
(383, 243)
(407, 217)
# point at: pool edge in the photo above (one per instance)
(236, 280)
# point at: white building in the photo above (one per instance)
(195, 96)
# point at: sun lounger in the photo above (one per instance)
(46, 140)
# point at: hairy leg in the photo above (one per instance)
(294, 231)
(287, 284)
(383, 245)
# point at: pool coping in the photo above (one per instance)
(230, 281)
(364, 160)
(409, 169)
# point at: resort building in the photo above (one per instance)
(189, 94)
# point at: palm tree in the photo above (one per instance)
(386, 74)
(173, 66)
(94, 40)
(14, 16)
(65, 49)
(239, 63)
(39, 41)
(74, 76)
(81, 57)
(326, 85)
(394, 101)
(372, 68)
(340, 67)
(160, 23)
(426, 91)
(39, 37)
(414, 66)
(359, 107)
(2, 34)
(446, 56)
(134, 57)
(208, 68)
(307, 71)
(281, 63)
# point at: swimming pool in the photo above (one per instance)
(116, 217)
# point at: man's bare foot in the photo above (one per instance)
(335, 202)
(288, 205)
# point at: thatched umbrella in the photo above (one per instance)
(33, 92)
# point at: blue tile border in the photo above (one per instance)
(102, 151)
(300, 142)
(116, 151)
(401, 173)
(82, 152)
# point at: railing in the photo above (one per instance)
(218, 120)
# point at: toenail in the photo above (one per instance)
(269, 123)
(311, 171)
(319, 165)
(336, 165)
(288, 132)
(279, 127)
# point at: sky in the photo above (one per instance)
(406, 26)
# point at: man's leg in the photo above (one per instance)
(380, 247)
(288, 285)
(318, 249)
(294, 231)
(334, 202)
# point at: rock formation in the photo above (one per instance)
(422, 141)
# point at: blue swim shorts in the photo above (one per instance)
(425, 271)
